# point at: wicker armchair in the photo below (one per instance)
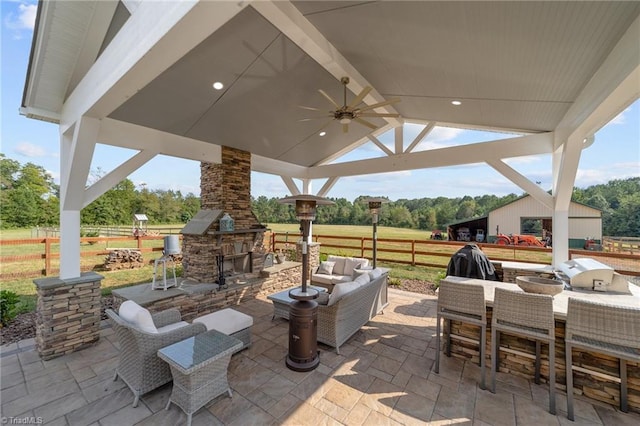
(606, 329)
(139, 366)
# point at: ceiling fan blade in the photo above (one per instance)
(309, 108)
(329, 98)
(345, 128)
(365, 123)
(315, 118)
(379, 104)
(376, 114)
(358, 99)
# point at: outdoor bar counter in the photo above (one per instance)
(517, 354)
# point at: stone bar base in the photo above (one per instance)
(195, 300)
(68, 316)
(517, 357)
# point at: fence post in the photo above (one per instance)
(413, 252)
(47, 256)
(139, 238)
(361, 246)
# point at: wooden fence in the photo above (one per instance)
(36, 257)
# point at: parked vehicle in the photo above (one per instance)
(519, 240)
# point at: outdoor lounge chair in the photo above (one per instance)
(139, 365)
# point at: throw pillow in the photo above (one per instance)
(351, 264)
(339, 266)
(375, 273)
(326, 267)
(138, 316)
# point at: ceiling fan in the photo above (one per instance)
(347, 113)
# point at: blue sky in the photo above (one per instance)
(615, 153)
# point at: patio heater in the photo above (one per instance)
(303, 311)
(374, 208)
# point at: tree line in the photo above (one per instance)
(29, 197)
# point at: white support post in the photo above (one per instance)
(560, 236)
(69, 244)
(76, 152)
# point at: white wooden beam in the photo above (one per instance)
(117, 175)
(458, 155)
(277, 167)
(423, 133)
(398, 136)
(154, 38)
(75, 162)
(356, 144)
(131, 136)
(327, 186)
(529, 187)
(380, 145)
(291, 185)
(288, 19)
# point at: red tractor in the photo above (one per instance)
(519, 240)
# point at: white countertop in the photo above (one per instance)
(561, 300)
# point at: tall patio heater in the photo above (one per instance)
(374, 208)
(303, 311)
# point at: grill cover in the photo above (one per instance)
(588, 273)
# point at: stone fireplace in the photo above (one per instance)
(212, 254)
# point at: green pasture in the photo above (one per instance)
(122, 278)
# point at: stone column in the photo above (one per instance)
(68, 316)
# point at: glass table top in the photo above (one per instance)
(199, 350)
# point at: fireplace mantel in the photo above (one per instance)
(254, 231)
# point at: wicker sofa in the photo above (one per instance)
(341, 317)
(337, 269)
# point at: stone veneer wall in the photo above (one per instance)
(227, 186)
(513, 361)
(68, 314)
(193, 305)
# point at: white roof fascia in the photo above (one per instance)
(152, 39)
(443, 157)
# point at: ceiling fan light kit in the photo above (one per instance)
(347, 113)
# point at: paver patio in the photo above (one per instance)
(382, 377)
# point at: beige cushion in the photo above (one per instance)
(321, 279)
(341, 290)
(340, 261)
(227, 321)
(137, 316)
(337, 279)
(362, 279)
(350, 264)
(326, 267)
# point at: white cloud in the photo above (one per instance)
(23, 19)
(597, 176)
(30, 150)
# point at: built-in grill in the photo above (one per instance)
(589, 274)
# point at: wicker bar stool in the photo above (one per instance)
(527, 315)
(465, 303)
(607, 329)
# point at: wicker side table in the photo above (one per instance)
(199, 369)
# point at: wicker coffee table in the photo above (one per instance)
(281, 301)
(199, 368)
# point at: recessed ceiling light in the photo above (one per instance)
(323, 133)
(456, 103)
(217, 85)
